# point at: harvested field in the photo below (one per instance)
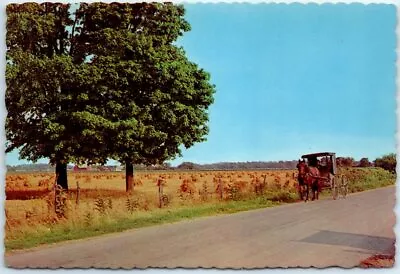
(31, 207)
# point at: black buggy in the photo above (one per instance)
(329, 177)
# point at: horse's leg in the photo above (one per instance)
(301, 192)
(313, 190)
(316, 189)
(307, 192)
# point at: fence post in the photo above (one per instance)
(160, 193)
(221, 191)
(78, 190)
(263, 185)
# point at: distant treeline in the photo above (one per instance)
(387, 162)
(239, 165)
(183, 166)
(32, 167)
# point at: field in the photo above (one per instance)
(30, 197)
(100, 203)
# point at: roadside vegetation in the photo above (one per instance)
(361, 179)
(99, 204)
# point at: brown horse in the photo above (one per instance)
(308, 179)
(301, 167)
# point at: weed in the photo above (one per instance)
(109, 204)
(88, 219)
(100, 206)
(131, 205)
(204, 192)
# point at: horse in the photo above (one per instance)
(308, 179)
(300, 178)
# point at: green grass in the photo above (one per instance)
(372, 178)
(362, 179)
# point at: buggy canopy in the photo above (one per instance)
(319, 154)
(332, 155)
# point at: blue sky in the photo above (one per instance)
(294, 79)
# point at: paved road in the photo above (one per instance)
(320, 234)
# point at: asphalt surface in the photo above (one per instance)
(320, 234)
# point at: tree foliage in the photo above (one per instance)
(364, 162)
(345, 161)
(187, 165)
(387, 162)
(106, 81)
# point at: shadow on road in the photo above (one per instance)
(373, 243)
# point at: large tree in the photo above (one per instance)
(106, 82)
(45, 92)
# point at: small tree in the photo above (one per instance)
(345, 161)
(187, 165)
(387, 162)
(364, 162)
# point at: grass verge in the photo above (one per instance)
(60, 232)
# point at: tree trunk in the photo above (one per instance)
(129, 176)
(61, 174)
(60, 188)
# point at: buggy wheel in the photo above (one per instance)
(334, 189)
